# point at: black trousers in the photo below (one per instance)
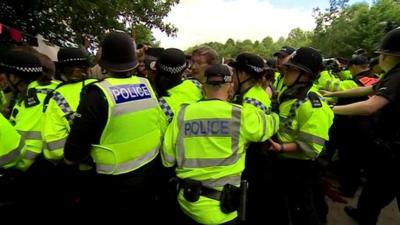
(298, 182)
(265, 199)
(353, 144)
(131, 196)
(382, 186)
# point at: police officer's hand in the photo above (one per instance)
(275, 146)
(326, 93)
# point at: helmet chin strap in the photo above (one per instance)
(297, 81)
(14, 85)
(240, 84)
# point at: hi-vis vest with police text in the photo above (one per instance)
(207, 141)
(306, 122)
(27, 118)
(10, 144)
(58, 117)
(189, 91)
(133, 132)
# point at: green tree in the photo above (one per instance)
(299, 38)
(341, 31)
(63, 21)
(144, 35)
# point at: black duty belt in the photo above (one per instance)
(211, 193)
(195, 188)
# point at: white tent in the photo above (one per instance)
(47, 48)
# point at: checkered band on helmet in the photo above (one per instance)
(172, 70)
(24, 69)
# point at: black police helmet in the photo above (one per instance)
(250, 63)
(171, 61)
(358, 60)
(25, 65)
(70, 57)
(308, 60)
(285, 50)
(118, 53)
(391, 43)
(218, 74)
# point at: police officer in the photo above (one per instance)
(250, 69)
(281, 57)
(383, 183)
(206, 142)
(59, 113)
(305, 120)
(73, 64)
(10, 143)
(119, 125)
(353, 132)
(22, 69)
(171, 89)
(10, 148)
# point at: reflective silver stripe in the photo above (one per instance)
(129, 165)
(307, 149)
(55, 145)
(31, 155)
(209, 162)
(167, 158)
(105, 84)
(234, 127)
(45, 91)
(302, 136)
(336, 86)
(128, 107)
(31, 135)
(234, 180)
(328, 85)
(264, 125)
(179, 142)
(137, 105)
(12, 154)
(142, 80)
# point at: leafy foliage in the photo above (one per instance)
(340, 30)
(265, 48)
(347, 28)
(63, 21)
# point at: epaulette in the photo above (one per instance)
(315, 100)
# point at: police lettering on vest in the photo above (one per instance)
(207, 128)
(127, 93)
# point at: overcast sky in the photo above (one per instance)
(200, 21)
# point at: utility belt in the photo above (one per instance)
(231, 198)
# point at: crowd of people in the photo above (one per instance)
(151, 135)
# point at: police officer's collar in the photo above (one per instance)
(245, 90)
(212, 99)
